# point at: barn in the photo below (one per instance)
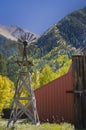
(64, 99)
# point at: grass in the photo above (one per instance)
(45, 126)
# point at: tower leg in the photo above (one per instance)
(24, 103)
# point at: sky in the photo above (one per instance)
(36, 15)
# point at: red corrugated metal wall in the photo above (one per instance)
(54, 104)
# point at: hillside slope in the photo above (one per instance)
(69, 32)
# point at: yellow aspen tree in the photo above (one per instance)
(46, 75)
(6, 92)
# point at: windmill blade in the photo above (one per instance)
(30, 37)
(32, 43)
(20, 40)
(33, 40)
(23, 37)
(27, 35)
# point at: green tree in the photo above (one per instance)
(3, 67)
(12, 70)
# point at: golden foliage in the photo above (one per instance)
(6, 92)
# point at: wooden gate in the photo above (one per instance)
(79, 83)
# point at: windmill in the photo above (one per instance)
(24, 101)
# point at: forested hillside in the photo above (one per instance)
(7, 47)
(52, 53)
(68, 34)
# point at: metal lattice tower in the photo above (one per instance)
(24, 99)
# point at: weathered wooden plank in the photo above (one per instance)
(79, 83)
(27, 112)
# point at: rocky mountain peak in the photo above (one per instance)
(13, 32)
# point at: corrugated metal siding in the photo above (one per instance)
(53, 103)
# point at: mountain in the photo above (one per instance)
(65, 37)
(54, 48)
(8, 39)
(67, 34)
(13, 32)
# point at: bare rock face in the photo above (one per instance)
(13, 32)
